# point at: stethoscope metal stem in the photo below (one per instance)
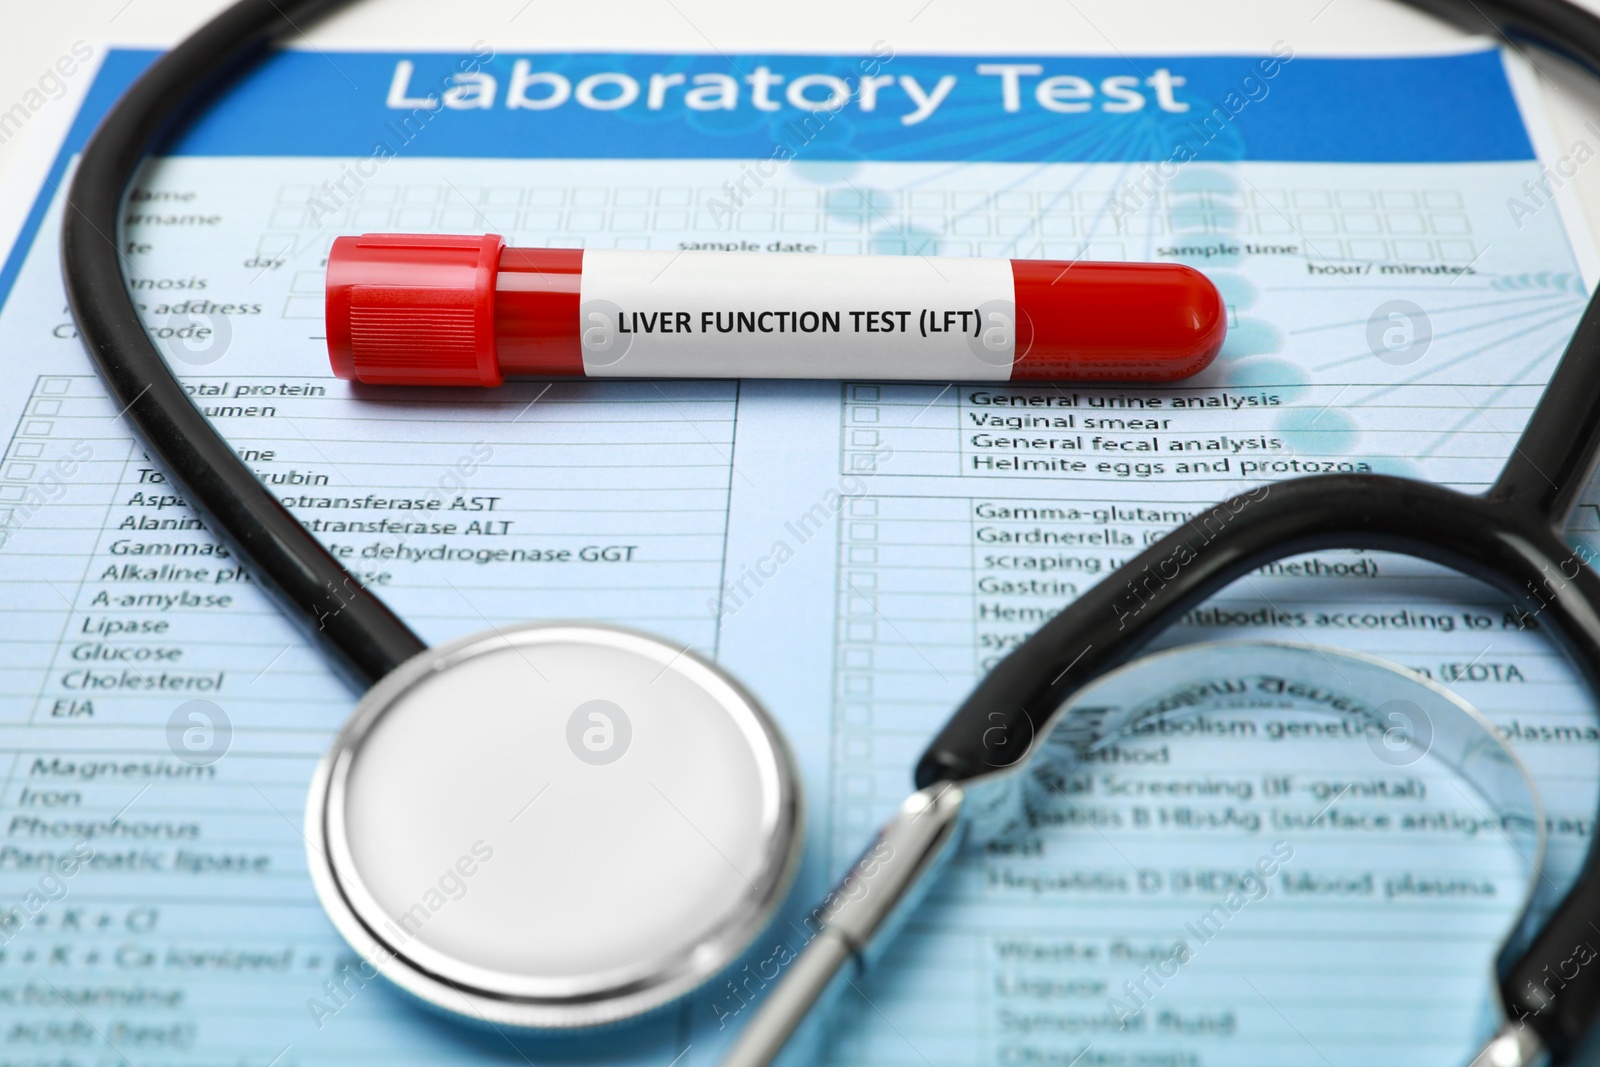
(1515, 1045)
(852, 926)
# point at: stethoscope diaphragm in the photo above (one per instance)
(555, 825)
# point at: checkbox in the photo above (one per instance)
(866, 507)
(1407, 222)
(20, 472)
(863, 580)
(28, 449)
(46, 407)
(864, 438)
(858, 659)
(858, 749)
(38, 427)
(863, 461)
(864, 415)
(864, 630)
(275, 245)
(863, 531)
(55, 386)
(857, 714)
(863, 554)
(858, 684)
(304, 307)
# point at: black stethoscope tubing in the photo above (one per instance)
(1511, 536)
(359, 632)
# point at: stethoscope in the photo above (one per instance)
(400, 847)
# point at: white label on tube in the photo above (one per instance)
(795, 315)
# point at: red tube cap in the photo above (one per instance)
(413, 309)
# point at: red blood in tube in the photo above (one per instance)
(442, 310)
(536, 311)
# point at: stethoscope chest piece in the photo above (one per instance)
(554, 825)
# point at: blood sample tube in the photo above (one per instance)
(443, 310)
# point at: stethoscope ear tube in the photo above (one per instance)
(362, 635)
